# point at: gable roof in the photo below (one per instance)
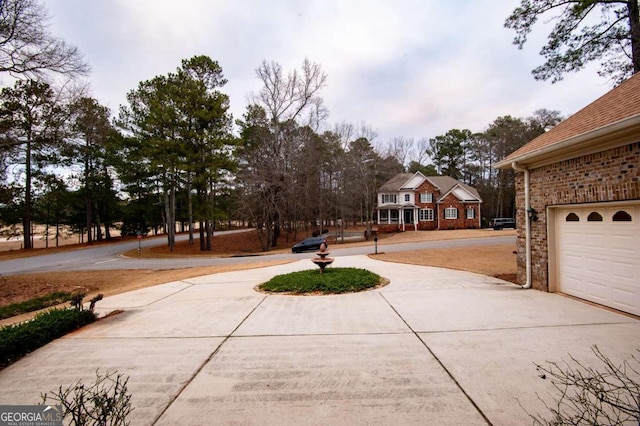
(615, 112)
(445, 184)
(396, 183)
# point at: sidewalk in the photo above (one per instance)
(435, 346)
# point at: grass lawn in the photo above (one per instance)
(34, 304)
(332, 281)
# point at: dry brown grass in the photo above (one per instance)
(497, 261)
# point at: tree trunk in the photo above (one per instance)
(190, 208)
(170, 202)
(26, 220)
(201, 229)
(634, 24)
(89, 203)
(98, 227)
(208, 235)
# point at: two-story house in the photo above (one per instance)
(412, 201)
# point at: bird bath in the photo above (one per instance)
(322, 261)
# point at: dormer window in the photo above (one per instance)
(407, 198)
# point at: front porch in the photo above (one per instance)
(398, 218)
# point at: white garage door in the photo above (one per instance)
(598, 254)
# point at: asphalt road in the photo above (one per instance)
(108, 256)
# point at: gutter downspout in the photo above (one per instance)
(527, 205)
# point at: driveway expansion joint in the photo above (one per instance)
(446, 370)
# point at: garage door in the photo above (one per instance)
(598, 254)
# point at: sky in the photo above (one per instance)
(406, 68)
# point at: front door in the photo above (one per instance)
(408, 217)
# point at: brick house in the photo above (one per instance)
(578, 203)
(412, 201)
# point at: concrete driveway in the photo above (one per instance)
(435, 346)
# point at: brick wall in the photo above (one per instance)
(427, 187)
(612, 175)
(461, 222)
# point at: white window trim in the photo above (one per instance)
(472, 211)
(448, 211)
(426, 197)
(389, 198)
(426, 215)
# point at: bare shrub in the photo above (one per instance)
(605, 395)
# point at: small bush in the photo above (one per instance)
(609, 395)
(332, 281)
(19, 339)
(105, 402)
(34, 304)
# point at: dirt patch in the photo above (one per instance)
(16, 288)
(497, 261)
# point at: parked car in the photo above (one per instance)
(312, 243)
(502, 222)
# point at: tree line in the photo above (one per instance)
(171, 156)
(173, 153)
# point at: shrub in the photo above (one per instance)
(332, 281)
(105, 402)
(586, 395)
(34, 304)
(19, 339)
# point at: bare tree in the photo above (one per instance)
(286, 98)
(272, 139)
(420, 149)
(28, 49)
(400, 148)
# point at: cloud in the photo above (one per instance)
(408, 68)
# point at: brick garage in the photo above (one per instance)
(584, 187)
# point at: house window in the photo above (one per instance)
(450, 213)
(426, 215)
(572, 217)
(621, 216)
(471, 213)
(389, 198)
(394, 216)
(384, 215)
(426, 197)
(407, 198)
(594, 217)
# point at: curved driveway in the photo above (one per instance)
(435, 346)
(107, 257)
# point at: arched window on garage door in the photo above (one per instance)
(621, 216)
(572, 217)
(594, 217)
